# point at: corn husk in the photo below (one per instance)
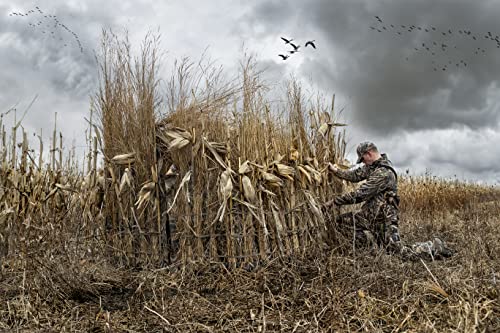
(126, 180)
(178, 143)
(324, 129)
(285, 171)
(225, 184)
(145, 194)
(179, 133)
(271, 179)
(248, 189)
(124, 159)
(294, 154)
(244, 168)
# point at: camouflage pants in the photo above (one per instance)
(381, 231)
(369, 227)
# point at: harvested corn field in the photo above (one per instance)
(202, 210)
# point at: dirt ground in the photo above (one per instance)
(326, 290)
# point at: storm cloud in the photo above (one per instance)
(427, 111)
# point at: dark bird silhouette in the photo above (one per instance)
(311, 42)
(287, 41)
(295, 47)
(292, 52)
(284, 57)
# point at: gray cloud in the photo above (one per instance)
(388, 91)
(401, 104)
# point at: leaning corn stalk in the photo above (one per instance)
(180, 138)
(305, 174)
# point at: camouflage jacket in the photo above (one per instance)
(381, 185)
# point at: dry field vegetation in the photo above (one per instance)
(198, 209)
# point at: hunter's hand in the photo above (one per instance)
(333, 167)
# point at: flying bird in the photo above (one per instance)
(287, 41)
(295, 47)
(311, 42)
(284, 57)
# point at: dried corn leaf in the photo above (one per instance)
(305, 173)
(214, 152)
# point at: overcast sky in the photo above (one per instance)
(427, 93)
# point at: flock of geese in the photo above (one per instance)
(47, 24)
(295, 47)
(442, 44)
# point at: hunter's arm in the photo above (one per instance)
(353, 175)
(378, 182)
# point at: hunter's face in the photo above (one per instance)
(369, 157)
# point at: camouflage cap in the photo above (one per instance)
(363, 147)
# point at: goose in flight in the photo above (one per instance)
(311, 42)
